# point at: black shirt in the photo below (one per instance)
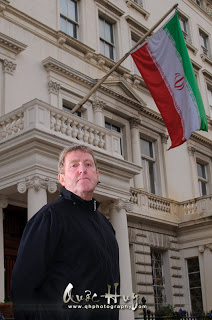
(67, 241)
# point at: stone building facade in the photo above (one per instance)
(160, 202)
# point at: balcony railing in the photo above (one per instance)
(39, 115)
(198, 207)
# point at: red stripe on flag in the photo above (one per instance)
(160, 94)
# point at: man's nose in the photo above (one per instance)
(82, 168)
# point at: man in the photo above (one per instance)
(68, 255)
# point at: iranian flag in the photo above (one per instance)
(164, 64)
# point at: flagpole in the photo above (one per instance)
(100, 81)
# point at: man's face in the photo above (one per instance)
(80, 175)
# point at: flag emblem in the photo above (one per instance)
(179, 81)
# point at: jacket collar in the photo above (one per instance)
(88, 204)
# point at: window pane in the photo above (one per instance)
(63, 7)
(203, 188)
(195, 285)
(63, 24)
(107, 125)
(151, 177)
(147, 148)
(70, 29)
(201, 170)
(158, 279)
(101, 28)
(72, 10)
(108, 32)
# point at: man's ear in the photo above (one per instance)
(61, 179)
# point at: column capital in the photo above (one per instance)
(121, 204)
(3, 201)
(53, 87)
(209, 246)
(98, 105)
(164, 138)
(36, 182)
(8, 66)
(134, 122)
(191, 150)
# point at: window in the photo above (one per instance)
(210, 99)
(136, 71)
(195, 285)
(139, 2)
(118, 129)
(69, 108)
(106, 38)
(69, 17)
(198, 2)
(148, 160)
(184, 26)
(202, 178)
(158, 279)
(204, 42)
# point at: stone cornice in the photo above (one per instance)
(140, 9)
(200, 139)
(139, 26)
(206, 58)
(112, 7)
(59, 67)
(191, 47)
(152, 114)
(11, 44)
(207, 74)
(196, 65)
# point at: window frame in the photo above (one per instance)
(157, 304)
(75, 23)
(145, 161)
(117, 125)
(205, 38)
(107, 20)
(187, 268)
(202, 180)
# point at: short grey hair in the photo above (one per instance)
(75, 147)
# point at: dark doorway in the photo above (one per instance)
(15, 219)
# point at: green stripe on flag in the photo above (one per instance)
(174, 29)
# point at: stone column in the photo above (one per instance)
(194, 176)
(98, 106)
(118, 218)
(3, 204)
(36, 188)
(54, 89)
(136, 151)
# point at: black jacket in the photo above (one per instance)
(67, 241)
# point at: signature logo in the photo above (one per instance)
(179, 81)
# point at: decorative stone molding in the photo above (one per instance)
(121, 204)
(132, 235)
(134, 122)
(37, 183)
(98, 105)
(139, 26)
(110, 6)
(164, 138)
(139, 8)
(88, 55)
(53, 87)
(61, 40)
(209, 246)
(8, 66)
(3, 201)
(191, 150)
(201, 249)
(11, 44)
(206, 58)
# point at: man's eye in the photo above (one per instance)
(88, 164)
(74, 165)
